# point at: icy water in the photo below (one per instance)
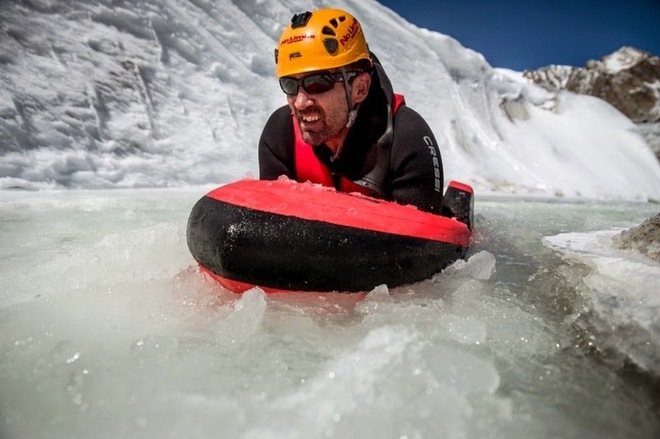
(107, 331)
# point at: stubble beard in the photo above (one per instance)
(327, 129)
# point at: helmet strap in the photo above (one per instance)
(352, 112)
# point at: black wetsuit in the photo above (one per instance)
(415, 168)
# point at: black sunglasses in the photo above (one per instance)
(313, 84)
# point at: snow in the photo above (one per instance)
(118, 95)
(622, 59)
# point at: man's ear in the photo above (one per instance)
(360, 87)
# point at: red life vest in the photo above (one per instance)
(310, 168)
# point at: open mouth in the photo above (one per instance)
(311, 118)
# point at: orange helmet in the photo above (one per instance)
(320, 40)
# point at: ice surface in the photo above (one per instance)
(107, 329)
(622, 293)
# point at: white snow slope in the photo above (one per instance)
(103, 93)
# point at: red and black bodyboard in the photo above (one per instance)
(288, 236)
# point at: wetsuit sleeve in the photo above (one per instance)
(416, 164)
(276, 146)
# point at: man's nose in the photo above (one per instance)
(302, 99)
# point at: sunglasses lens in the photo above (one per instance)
(313, 84)
(316, 84)
(289, 85)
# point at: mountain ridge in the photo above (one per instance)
(628, 79)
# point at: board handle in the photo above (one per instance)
(458, 202)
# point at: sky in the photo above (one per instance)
(519, 34)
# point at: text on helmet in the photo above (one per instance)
(352, 31)
(296, 39)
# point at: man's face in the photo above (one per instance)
(322, 117)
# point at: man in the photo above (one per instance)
(343, 125)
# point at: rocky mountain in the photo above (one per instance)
(645, 238)
(629, 79)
